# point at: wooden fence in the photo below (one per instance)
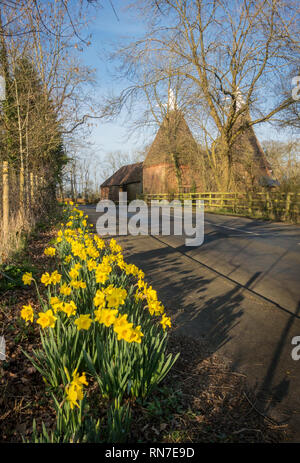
(20, 192)
(269, 205)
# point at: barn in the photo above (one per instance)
(128, 179)
(170, 165)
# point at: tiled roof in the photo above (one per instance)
(132, 173)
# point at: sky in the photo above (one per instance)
(107, 30)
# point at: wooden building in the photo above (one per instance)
(128, 178)
(170, 165)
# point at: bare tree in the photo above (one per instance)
(285, 160)
(230, 56)
(113, 160)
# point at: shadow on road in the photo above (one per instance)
(214, 319)
(185, 296)
(271, 391)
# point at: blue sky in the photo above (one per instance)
(107, 30)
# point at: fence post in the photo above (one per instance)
(268, 203)
(222, 200)
(250, 203)
(287, 205)
(234, 202)
(5, 197)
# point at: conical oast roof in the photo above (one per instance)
(247, 143)
(247, 153)
(173, 137)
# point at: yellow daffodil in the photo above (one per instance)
(165, 321)
(116, 297)
(56, 304)
(46, 319)
(123, 331)
(131, 269)
(92, 252)
(74, 273)
(140, 284)
(46, 279)
(135, 335)
(65, 290)
(106, 316)
(99, 299)
(55, 277)
(74, 389)
(99, 242)
(83, 322)
(50, 251)
(139, 296)
(155, 308)
(77, 284)
(69, 308)
(114, 246)
(141, 275)
(91, 264)
(101, 277)
(79, 380)
(27, 278)
(27, 313)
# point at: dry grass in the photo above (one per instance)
(22, 392)
(20, 224)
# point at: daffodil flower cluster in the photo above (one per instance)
(96, 314)
(88, 264)
(91, 294)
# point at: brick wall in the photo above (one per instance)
(162, 178)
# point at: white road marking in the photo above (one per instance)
(232, 228)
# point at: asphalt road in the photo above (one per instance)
(240, 291)
(264, 257)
